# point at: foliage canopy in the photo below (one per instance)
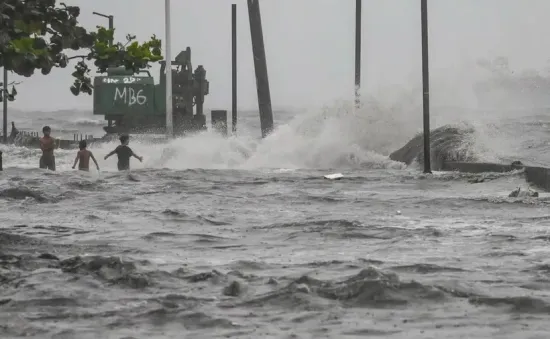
(34, 35)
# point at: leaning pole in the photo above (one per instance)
(260, 67)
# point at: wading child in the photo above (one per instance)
(47, 145)
(83, 157)
(124, 153)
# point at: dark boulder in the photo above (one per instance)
(448, 143)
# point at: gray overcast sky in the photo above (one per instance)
(310, 43)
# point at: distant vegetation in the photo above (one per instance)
(35, 33)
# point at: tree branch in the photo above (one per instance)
(13, 83)
(77, 57)
(34, 35)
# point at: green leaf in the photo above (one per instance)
(36, 33)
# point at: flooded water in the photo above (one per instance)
(241, 238)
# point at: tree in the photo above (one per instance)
(35, 33)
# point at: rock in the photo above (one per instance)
(234, 289)
(48, 256)
(448, 143)
(514, 193)
(302, 288)
(516, 164)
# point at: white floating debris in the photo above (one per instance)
(334, 176)
(398, 213)
(518, 193)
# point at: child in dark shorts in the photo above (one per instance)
(47, 145)
(124, 153)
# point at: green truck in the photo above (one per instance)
(133, 103)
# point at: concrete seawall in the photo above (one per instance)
(537, 176)
(451, 150)
(34, 142)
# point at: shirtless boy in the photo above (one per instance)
(47, 145)
(83, 157)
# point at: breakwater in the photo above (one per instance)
(451, 150)
(534, 175)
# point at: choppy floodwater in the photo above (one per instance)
(203, 240)
(274, 254)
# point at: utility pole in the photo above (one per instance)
(168, 85)
(5, 104)
(425, 86)
(358, 12)
(234, 68)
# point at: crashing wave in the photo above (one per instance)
(26, 140)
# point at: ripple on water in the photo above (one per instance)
(264, 256)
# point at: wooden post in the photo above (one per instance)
(260, 67)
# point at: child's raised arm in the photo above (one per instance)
(137, 157)
(108, 155)
(76, 160)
